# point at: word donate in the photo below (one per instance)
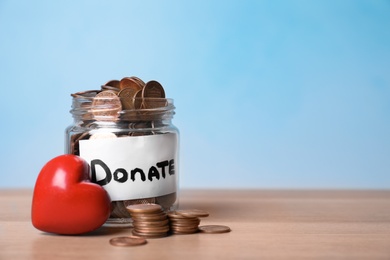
(121, 175)
(133, 167)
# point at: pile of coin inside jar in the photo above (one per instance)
(128, 101)
(151, 221)
(124, 100)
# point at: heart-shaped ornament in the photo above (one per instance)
(65, 201)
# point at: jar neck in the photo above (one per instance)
(85, 110)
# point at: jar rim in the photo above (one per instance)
(85, 107)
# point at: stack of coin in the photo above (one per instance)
(149, 220)
(185, 221)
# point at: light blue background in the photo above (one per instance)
(269, 94)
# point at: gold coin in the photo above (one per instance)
(129, 82)
(214, 229)
(193, 213)
(144, 208)
(153, 89)
(106, 105)
(128, 241)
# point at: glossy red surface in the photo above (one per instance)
(65, 201)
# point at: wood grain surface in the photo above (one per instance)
(266, 224)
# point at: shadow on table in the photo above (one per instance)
(51, 246)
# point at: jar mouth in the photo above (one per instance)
(86, 106)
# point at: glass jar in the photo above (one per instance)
(132, 153)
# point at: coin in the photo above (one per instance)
(106, 105)
(151, 229)
(129, 82)
(138, 99)
(159, 223)
(149, 235)
(193, 213)
(153, 89)
(149, 217)
(173, 215)
(184, 220)
(116, 90)
(182, 223)
(87, 93)
(144, 208)
(182, 230)
(113, 83)
(150, 103)
(139, 81)
(128, 241)
(214, 229)
(127, 96)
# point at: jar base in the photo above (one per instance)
(119, 222)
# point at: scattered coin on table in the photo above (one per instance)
(128, 241)
(214, 229)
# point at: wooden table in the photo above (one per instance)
(266, 224)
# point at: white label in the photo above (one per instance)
(133, 167)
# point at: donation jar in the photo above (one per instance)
(125, 133)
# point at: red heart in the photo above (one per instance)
(65, 201)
